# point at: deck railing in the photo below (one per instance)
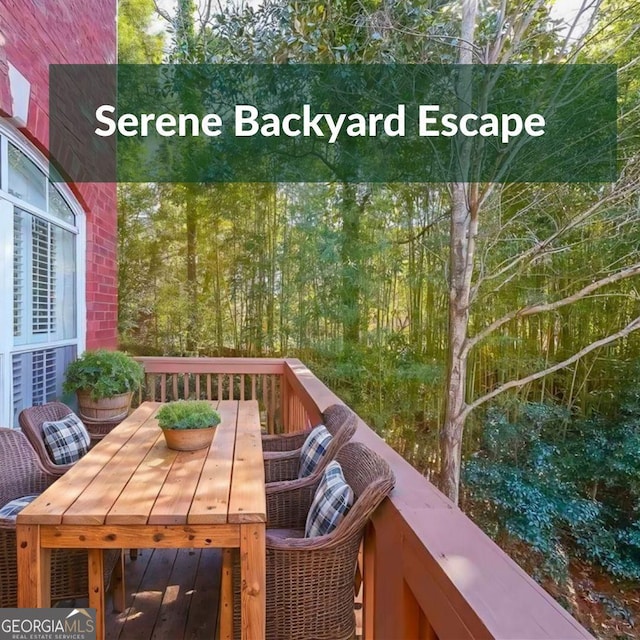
(217, 379)
(428, 571)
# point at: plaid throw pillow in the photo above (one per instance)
(313, 449)
(332, 500)
(66, 440)
(13, 508)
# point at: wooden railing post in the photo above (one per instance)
(368, 583)
(383, 602)
(415, 624)
(285, 391)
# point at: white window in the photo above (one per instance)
(41, 275)
(44, 276)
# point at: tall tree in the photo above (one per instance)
(509, 39)
(463, 233)
(137, 44)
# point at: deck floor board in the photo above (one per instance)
(171, 594)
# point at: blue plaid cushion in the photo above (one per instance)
(313, 449)
(332, 500)
(66, 440)
(13, 508)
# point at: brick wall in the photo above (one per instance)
(34, 34)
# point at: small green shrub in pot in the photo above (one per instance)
(188, 424)
(187, 414)
(104, 382)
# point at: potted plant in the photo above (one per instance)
(188, 424)
(104, 382)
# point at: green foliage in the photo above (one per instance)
(339, 32)
(241, 269)
(103, 373)
(136, 43)
(565, 486)
(187, 414)
(393, 389)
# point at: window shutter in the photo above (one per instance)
(38, 376)
(44, 296)
(18, 274)
(44, 376)
(43, 277)
(18, 386)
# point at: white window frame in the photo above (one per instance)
(7, 204)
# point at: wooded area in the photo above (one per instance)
(420, 304)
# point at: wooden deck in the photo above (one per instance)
(171, 593)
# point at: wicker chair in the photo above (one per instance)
(31, 421)
(310, 581)
(341, 423)
(22, 474)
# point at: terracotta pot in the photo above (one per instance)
(188, 439)
(104, 409)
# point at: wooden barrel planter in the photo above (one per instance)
(112, 409)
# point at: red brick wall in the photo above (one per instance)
(34, 34)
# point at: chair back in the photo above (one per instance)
(371, 479)
(31, 421)
(20, 471)
(364, 469)
(337, 417)
(342, 424)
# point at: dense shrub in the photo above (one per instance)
(565, 486)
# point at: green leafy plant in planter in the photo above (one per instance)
(188, 424)
(104, 382)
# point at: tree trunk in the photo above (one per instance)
(350, 258)
(464, 228)
(192, 273)
(459, 289)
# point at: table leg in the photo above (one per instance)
(225, 617)
(34, 568)
(253, 581)
(96, 589)
(119, 591)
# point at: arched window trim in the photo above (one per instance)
(11, 134)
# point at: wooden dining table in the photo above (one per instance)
(132, 492)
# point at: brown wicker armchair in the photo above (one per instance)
(310, 581)
(22, 474)
(341, 423)
(31, 421)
